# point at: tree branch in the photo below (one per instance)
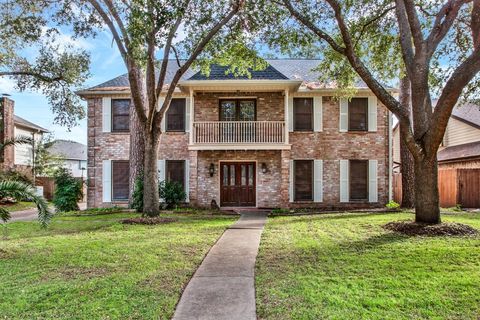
(451, 92)
(405, 37)
(237, 5)
(414, 22)
(32, 74)
(369, 22)
(112, 28)
(475, 24)
(443, 21)
(319, 32)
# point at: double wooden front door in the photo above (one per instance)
(237, 184)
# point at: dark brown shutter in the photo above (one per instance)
(120, 115)
(120, 178)
(176, 171)
(176, 115)
(303, 175)
(303, 114)
(358, 179)
(358, 114)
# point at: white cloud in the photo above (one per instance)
(7, 85)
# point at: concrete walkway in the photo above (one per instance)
(223, 287)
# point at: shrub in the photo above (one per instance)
(137, 195)
(392, 205)
(68, 191)
(172, 193)
(13, 175)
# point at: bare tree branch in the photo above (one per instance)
(475, 23)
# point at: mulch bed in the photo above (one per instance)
(420, 229)
(149, 221)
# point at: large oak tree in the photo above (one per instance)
(438, 47)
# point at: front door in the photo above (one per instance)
(237, 184)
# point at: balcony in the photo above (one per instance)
(239, 135)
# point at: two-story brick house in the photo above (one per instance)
(276, 139)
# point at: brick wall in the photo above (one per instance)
(270, 105)
(269, 185)
(329, 145)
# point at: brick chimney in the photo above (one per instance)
(7, 131)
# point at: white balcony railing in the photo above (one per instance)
(239, 132)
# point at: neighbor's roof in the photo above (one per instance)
(19, 121)
(70, 150)
(467, 150)
(467, 112)
(278, 69)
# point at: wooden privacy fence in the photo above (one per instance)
(455, 186)
(49, 187)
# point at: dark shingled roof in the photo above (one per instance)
(122, 81)
(278, 69)
(218, 72)
(70, 150)
(466, 150)
(27, 124)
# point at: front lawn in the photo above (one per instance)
(93, 267)
(348, 267)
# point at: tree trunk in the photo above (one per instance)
(408, 176)
(151, 201)
(426, 191)
(406, 158)
(137, 149)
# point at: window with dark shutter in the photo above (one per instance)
(175, 120)
(303, 175)
(358, 179)
(120, 115)
(358, 114)
(175, 170)
(120, 180)
(303, 114)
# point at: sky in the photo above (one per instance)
(106, 63)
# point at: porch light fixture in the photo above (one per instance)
(264, 167)
(211, 169)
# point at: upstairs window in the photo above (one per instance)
(120, 115)
(358, 180)
(175, 116)
(358, 114)
(303, 114)
(120, 180)
(303, 183)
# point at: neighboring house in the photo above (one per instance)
(73, 154)
(20, 156)
(460, 148)
(277, 139)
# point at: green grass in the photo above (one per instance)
(93, 267)
(348, 267)
(18, 206)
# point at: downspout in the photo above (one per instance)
(390, 154)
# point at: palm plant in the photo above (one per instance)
(18, 140)
(19, 190)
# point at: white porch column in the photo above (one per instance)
(192, 116)
(286, 98)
